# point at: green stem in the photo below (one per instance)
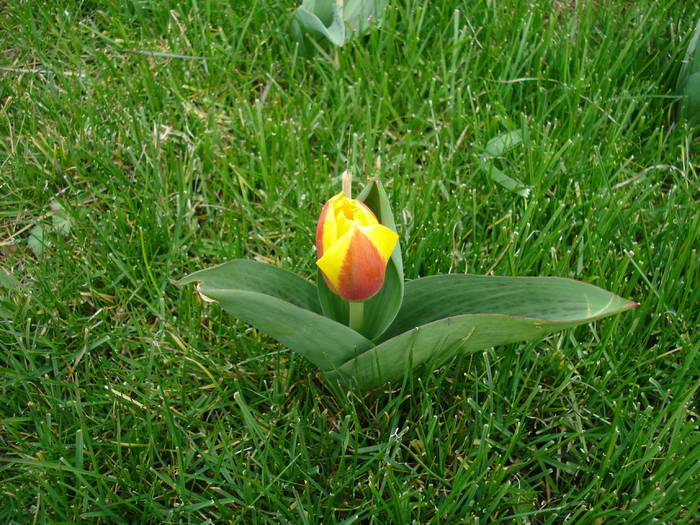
(356, 314)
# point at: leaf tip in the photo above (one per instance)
(205, 298)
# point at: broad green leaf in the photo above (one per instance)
(333, 306)
(336, 20)
(504, 180)
(690, 105)
(242, 274)
(284, 306)
(38, 239)
(449, 314)
(7, 309)
(691, 60)
(359, 15)
(61, 221)
(7, 280)
(381, 309)
(39, 235)
(688, 84)
(496, 147)
(546, 298)
(501, 144)
(321, 17)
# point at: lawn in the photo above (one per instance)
(143, 140)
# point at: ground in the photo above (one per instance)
(143, 140)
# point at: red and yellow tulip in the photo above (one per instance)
(352, 248)
(369, 343)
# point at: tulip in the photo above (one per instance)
(353, 249)
(437, 318)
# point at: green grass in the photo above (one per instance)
(125, 399)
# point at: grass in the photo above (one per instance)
(125, 399)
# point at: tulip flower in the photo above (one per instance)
(352, 248)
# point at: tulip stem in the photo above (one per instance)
(356, 315)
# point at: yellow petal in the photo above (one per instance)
(331, 263)
(326, 228)
(383, 238)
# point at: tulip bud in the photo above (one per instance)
(353, 249)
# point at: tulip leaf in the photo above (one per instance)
(242, 274)
(688, 83)
(381, 309)
(496, 147)
(7, 280)
(332, 304)
(359, 15)
(690, 106)
(38, 239)
(509, 183)
(320, 17)
(337, 20)
(547, 298)
(284, 306)
(445, 315)
(501, 144)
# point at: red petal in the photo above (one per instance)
(363, 271)
(319, 230)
